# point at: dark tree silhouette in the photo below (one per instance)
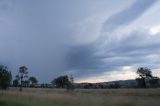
(16, 81)
(33, 80)
(154, 82)
(63, 82)
(5, 77)
(70, 85)
(143, 73)
(23, 73)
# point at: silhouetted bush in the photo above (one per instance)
(64, 82)
(5, 77)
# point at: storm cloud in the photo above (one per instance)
(82, 38)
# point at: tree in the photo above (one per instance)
(61, 81)
(143, 73)
(70, 85)
(23, 73)
(5, 77)
(71, 79)
(16, 81)
(64, 82)
(154, 82)
(33, 80)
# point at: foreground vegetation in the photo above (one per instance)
(79, 97)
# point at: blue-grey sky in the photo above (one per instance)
(94, 40)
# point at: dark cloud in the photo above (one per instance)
(133, 49)
(83, 57)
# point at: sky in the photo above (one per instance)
(92, 40)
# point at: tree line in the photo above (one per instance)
(22, 79)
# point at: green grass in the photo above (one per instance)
(79, 97)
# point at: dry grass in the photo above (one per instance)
(82, 97)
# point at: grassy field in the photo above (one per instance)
(80, 97)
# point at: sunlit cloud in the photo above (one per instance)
(155, 30)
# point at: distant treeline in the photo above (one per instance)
(145, 80)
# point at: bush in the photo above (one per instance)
(5, 77)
